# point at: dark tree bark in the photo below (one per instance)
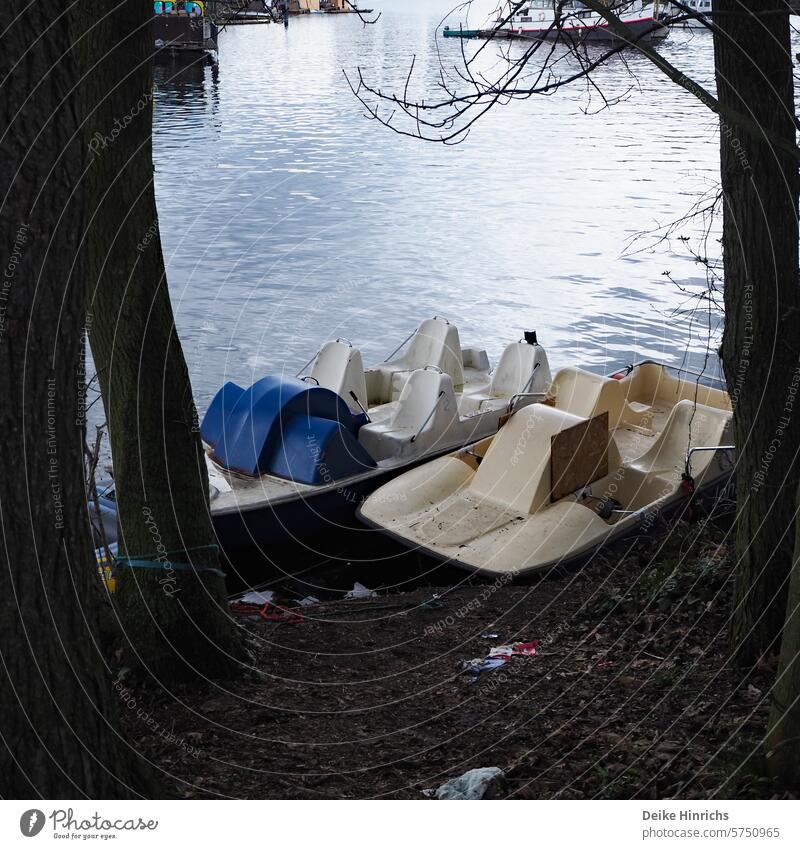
(59, 736)
(174, 615)
(761, 344)
(783, 740)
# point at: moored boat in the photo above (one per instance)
(597, 461)
(460, 32)
(183, 28)
(289, 455)
(699, 15)
(573, 21)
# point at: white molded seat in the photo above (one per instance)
(651, 384)
(511, 377)
(515, 473)
(513, 372)
(339, 367)
(585, 394)
(436, 343)
(475, 360)
(688, 425)
(427, 406)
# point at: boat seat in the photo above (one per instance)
(383, 412)
(511, 377)
(435, 343)
(515, 473)
(476, 367)
(652, 384)
(339, 367)
(585, 394)
(688, 424)
(419, 404)
(475, 360)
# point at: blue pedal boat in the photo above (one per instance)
(290, 457)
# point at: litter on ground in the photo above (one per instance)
(360, 591)
(497, 657)
(470, 786)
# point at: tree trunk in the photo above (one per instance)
(783, 739)
(761, 344)
(59, 736)
(171, 596)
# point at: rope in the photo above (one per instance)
(162, 561)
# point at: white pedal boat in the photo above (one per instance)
(289, 455)
(600, 458)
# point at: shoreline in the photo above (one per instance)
(366, 699)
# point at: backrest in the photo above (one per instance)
(436, 343)
(419, 398)
(515, 472)
(650, 383)
(585, 394)
(339, 367)
(688, 425)
(514, 371)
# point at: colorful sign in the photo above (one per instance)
(193, 8)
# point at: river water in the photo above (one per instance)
(289, 218)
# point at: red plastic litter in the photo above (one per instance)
(274, 613)
(241, 608)
(525, 649)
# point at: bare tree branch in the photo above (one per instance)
(450, 118)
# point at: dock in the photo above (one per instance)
(183, 30)
(325, 7)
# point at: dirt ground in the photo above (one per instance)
(629, 695)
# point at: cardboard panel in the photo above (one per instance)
(578, 456)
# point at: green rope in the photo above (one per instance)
(176, 551)
(162, 561)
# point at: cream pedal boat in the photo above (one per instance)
(594, 462)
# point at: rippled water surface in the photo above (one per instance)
(289, 218)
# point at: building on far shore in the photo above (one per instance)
(182, 27)
(305, 7)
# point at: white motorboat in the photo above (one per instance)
(698, 16)
(573, 21)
